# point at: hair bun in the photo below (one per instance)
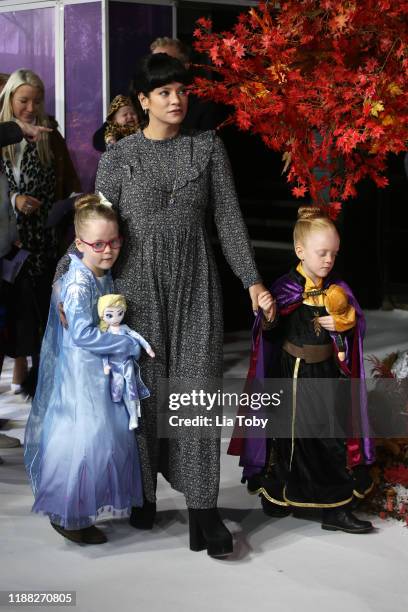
(86, 200)
(311, 212)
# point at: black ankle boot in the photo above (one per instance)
(342, 519)
(207, 531)
(143, 518)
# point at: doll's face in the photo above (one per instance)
(113, 315)
(319, 253)
(125, 116)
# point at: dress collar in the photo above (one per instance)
(192, 153)
(78, 264)
(309, 284)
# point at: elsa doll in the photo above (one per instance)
(125, 382)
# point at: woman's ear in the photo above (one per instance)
(143, 100)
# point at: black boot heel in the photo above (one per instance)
(143, 518)
(207, 531)
(197, 540)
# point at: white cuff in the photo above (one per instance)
(13, 202)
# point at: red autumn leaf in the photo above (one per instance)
(334, 209)
(299, 192)
(204, 23)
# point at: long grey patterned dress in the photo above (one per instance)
(168, 274)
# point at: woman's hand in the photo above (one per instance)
(27, 205)
(255, 292)
(327, 323)
(32, 133)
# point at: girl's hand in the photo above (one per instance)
(107, 369)
(254, 293)
(327, 323)
(27, 204)
(63, 318)
(268, 305)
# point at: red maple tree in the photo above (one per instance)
(322, 81)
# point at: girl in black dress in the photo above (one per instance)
(313, 468)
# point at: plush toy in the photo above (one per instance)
(336, 303)
(125, 382)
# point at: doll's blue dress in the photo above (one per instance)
(79, 453)
(125, 381)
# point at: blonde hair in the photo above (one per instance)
(111, 300)
(88, 208)
(310, 219)
(16, 80)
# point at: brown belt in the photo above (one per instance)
(310, 353)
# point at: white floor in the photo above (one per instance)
(288, 564)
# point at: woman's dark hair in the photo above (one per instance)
(155, 70)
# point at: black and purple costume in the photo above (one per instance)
(321, 472)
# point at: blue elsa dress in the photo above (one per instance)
(79, 453)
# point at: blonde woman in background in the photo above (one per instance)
(38, 174)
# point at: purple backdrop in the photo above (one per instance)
(27, 41)
(83, 86)
(132, 27)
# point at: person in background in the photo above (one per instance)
(38, 173)
(121, 120)
(10, 133)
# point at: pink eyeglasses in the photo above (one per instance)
(101, 245)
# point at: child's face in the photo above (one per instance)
(319, 252)
(94, 232)
(125, 116)
(113, 315)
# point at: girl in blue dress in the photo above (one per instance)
(80, 455)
